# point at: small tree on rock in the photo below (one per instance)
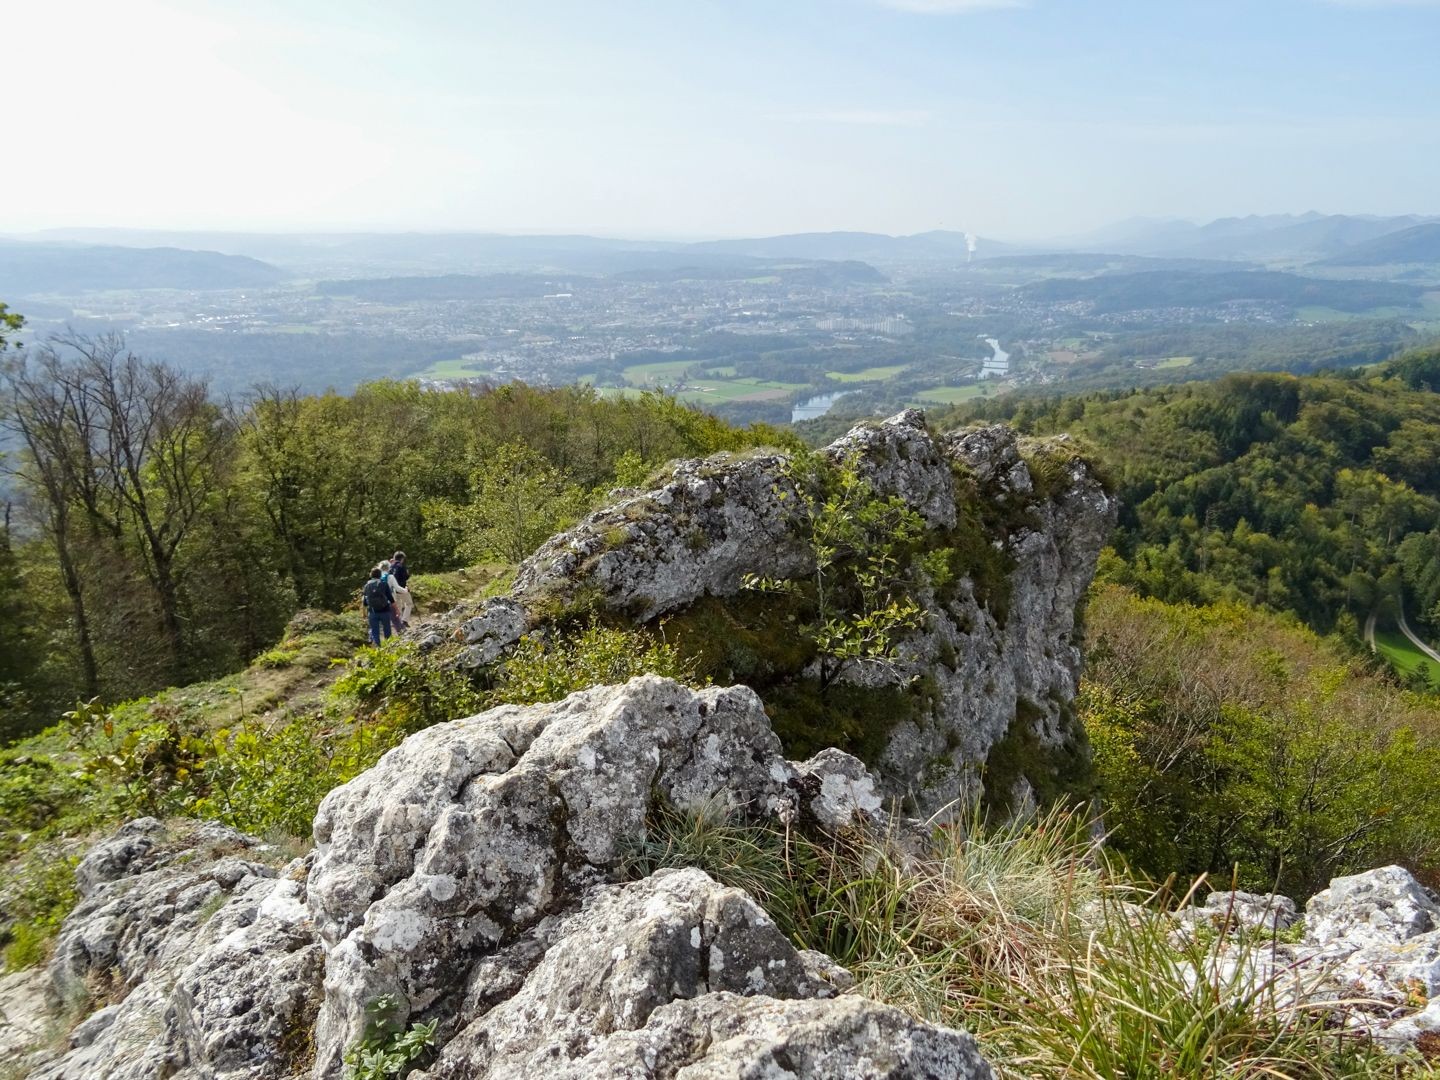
(862, 579)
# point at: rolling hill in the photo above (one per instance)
(1418, 244)
(28, 269)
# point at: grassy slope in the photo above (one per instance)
(59, 792)
(1404, 656)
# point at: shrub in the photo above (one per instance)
(1226, 737)
(409, 690)
(265, 778)
(387, 1048)
(549, 668)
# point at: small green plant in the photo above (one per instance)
(210, 907)
(862, 546)
(155, 768)
(615, 536)
(388, 1049)
(278, 658)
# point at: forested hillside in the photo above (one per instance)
(157, 536)
(1317, 495)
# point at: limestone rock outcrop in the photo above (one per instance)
(473, 831)
(202, 951)
(1371, 941)
(474, 878)
(1003, 656)
(677, 971)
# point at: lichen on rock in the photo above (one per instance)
(997, 660)
(473, 877)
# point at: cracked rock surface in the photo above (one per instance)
(472, 875)
(1001, 669)
(202, 951)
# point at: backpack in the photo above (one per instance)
(375, 595)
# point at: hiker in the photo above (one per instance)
(399, 569)
(378, 600)
(401, 603)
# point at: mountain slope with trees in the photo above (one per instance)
(1316, 495)
(157, 536)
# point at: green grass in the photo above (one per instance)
(714, 386)
(747, 389)
(1317, 314)
(1404, 656)
(874, 374)
(1027, 936)
(949, 395)
(457, 367)
(660, 373)
(1175, 362)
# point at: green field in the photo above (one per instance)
(750, 389)
(874, 374)
(1404, 656)
(457, 368)
(620, 391)
(949, 395)
(1175, 362)
(660, 373)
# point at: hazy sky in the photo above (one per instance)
(701, 118)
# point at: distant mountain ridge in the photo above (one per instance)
(28, 268)
(1417, 244)
(1297, 238)
(1173, 288)
(1280, 240)
(414, 252)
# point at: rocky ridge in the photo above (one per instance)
(1001, 658)
(1370, 940)
(473, 879)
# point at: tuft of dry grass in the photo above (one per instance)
(1027, 935)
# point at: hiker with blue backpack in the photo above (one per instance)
(401, 603)
(378, 601)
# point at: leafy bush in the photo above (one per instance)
(1226, 737)
(547, 669)
(862, 546)
(409, 690)
(267, 778)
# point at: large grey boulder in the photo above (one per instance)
(1376, 934)
(470, 876)
(471, 832)
(1382, 907)
(198, 955)
(1002, 657)
(634, 948)
(1370, 951)
(725, 1037)
(1230, 911)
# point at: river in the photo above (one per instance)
(999, 364)
(814, 407)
